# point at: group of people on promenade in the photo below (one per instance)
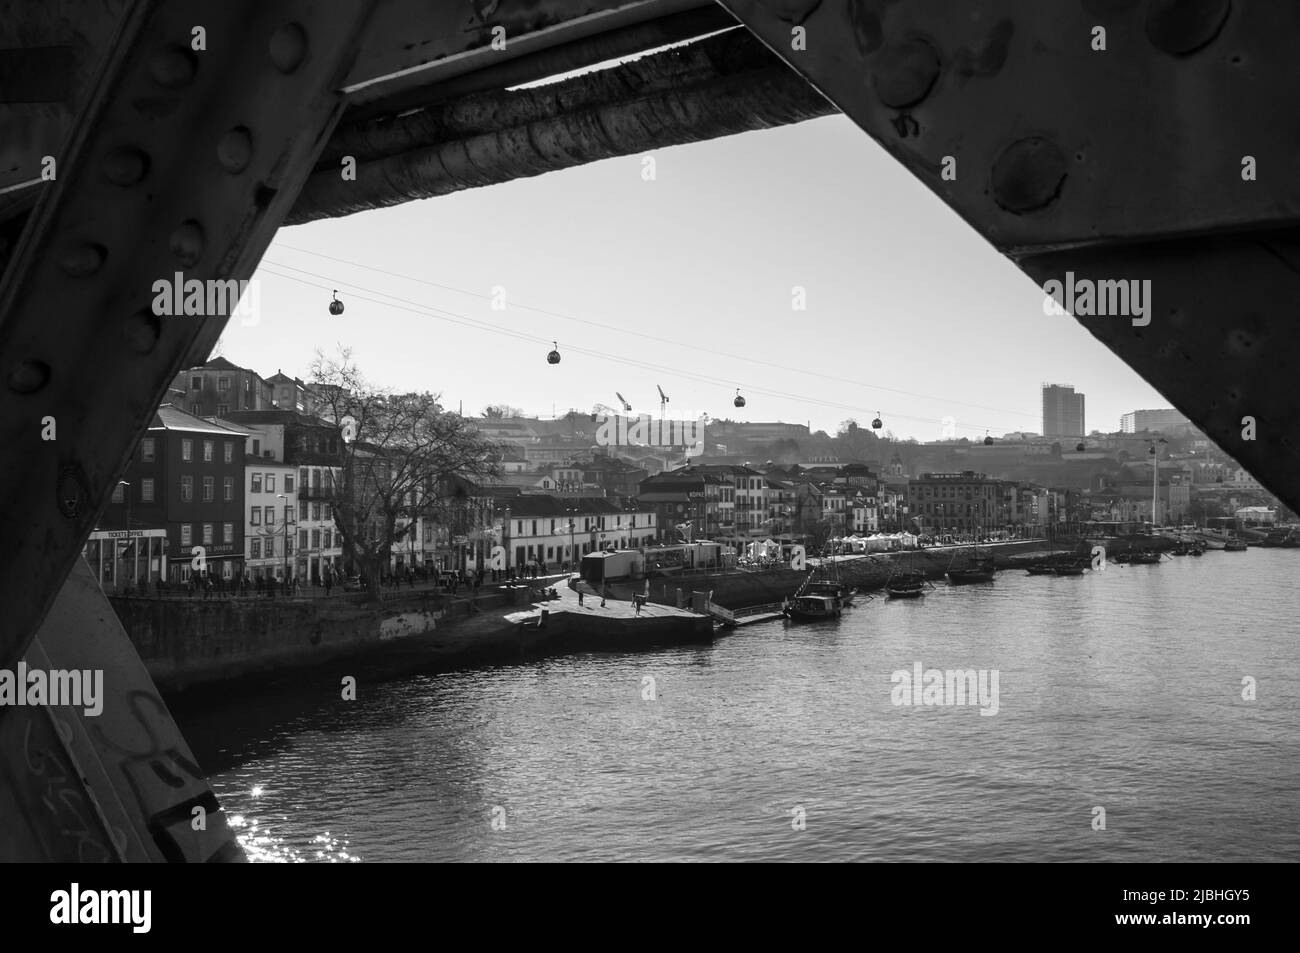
(210, 585)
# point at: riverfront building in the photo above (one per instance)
(557, 531)
(954, 502)
(185, 479)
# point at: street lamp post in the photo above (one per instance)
(285, 555)
(572, 510)
(134, 574)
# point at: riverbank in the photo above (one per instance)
(868, 571)
(198, 647)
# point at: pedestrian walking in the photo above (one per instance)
(579, 597)
(329, 583)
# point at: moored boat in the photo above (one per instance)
(1235, 546)
(1069, 569)
(907, 586)
(981, 569)
(810, 608)
(1144, 558)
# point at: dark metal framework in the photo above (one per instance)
(1124, 163)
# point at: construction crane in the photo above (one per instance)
(627, 408)
(663, 403)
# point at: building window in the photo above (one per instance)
(315, 538)
(118, 495)
(327, 539)
(223, 409)
(209, 489)
(228, 489)
(146, 450)
(270, 548)
(302, 539)
(302, 509)
(146, 490)
(270, 516)
(534, 527)
(288, 483)
(302, 476)
(187, 450)
(255, 549)
(315, 512)
(270, 483)
(187, 489)
(288, 547)
(223, 383)
(255, 517)
(207, 534)
(196, 383)
(325, 512)
(227, 532)
(196, 409)
(257, 483)
(186, 537)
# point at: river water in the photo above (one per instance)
(1120, 690)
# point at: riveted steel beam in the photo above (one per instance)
(413, 43)
(1136, 140)
(182, 160)
(115, 783)
(1057, 143)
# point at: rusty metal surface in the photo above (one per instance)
(180, 161)
(50, 54)
(717, 86)
(1221, 343)
(118, 786)
(1057, 144)
(411, 43)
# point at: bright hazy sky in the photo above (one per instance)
(909, 311)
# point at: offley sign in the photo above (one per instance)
(645, 431)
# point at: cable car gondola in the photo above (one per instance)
(988, 441)
(877, 423)
(554, 356)
(336, 306)
(739, 401)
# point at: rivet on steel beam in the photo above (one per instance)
(71, 490)
(1181, 27)
(83, 259)
(794, 11)
(186, 243)
(906, 72)
(173, 68)
(235, 149)
(29, 377)
(1028, 175)
(288, 47)
(142, 331)
(126, 166)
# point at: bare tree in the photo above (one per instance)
(398, 453)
